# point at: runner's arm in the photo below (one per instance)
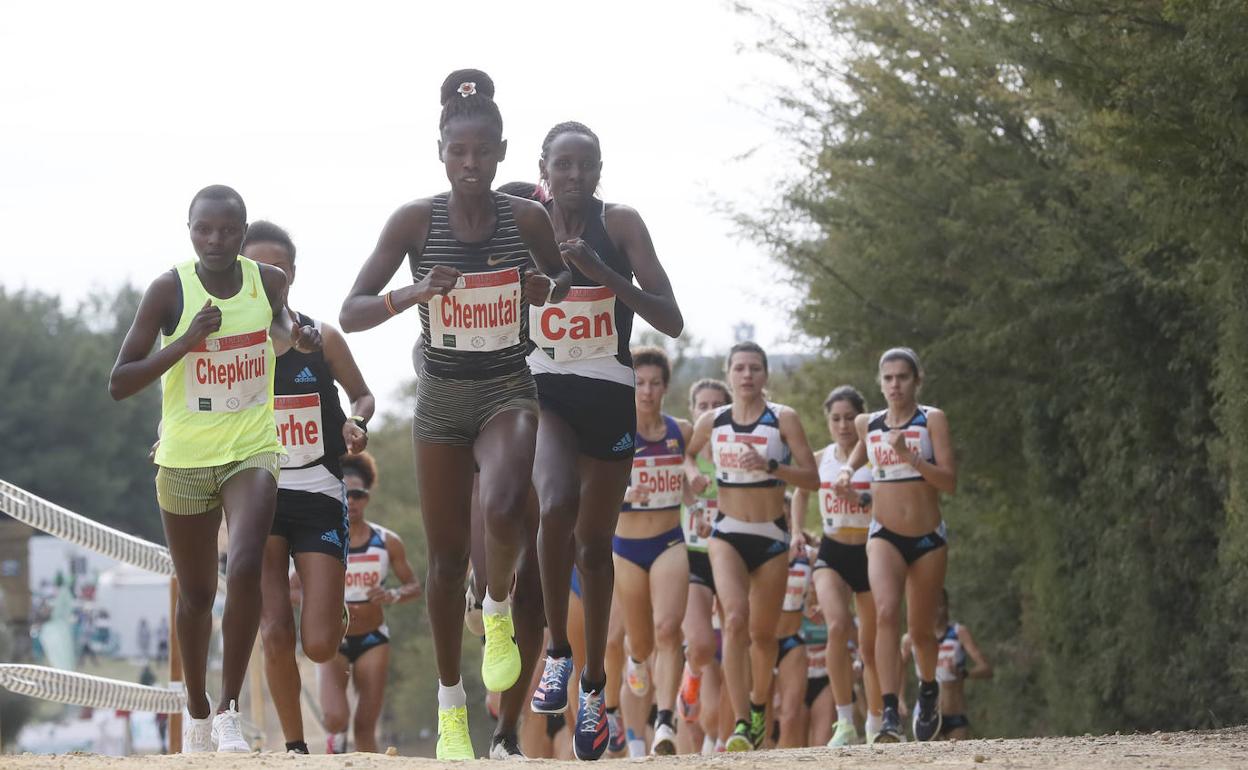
(686, 433)
(284, 332)
(858, 457)
(802, 472)
(346, 373)
(943, 474)
(982, 669)
(404, 232)
(652, 298)
(539, 236)
(801, 497)
(137, 364)
(697, 441)
(410, 585)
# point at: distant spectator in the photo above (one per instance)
(145, 638)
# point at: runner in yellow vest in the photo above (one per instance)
(219, 319)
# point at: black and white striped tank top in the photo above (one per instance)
(481, 329)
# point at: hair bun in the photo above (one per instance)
(481, 82)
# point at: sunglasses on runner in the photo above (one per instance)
(357, 494)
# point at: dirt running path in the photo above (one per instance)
(1219, 749)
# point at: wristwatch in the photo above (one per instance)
(772, 465)
(360, 421)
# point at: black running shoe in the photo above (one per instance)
(927, 720)
(505, 747)
(890, 730)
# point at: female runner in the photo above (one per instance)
(956, 646)
(911, 456)
(310, 523)
(220, 319)
(471, 252)
(791, 661)
(702, 673)
(650, 556)
(364, 654)
(841, 568)
(751, 441)
(585, 384)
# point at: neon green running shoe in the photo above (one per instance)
(500, 661)
(758, 727)
(846, 734)
(454, 742)
(740, 738)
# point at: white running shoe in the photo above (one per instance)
(664, 741)
(197, 735)
(336, 743)
(227, 731)
(638, 676)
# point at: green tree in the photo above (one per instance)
(66, 439)
(989, 183)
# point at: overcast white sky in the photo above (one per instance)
(113, 114)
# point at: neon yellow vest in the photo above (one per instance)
(217, 404)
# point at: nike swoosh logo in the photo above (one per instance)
(492, 261)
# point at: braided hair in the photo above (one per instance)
(469, 93)
(569, 127)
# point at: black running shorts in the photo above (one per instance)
(311, 523)
(603, 414)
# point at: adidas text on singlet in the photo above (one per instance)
(217, 402)
(368, 565)
(729, 441)
(480, 330)
(840, 515)
(309, 421)
(588, 332)
(886, 465)
(659, 467)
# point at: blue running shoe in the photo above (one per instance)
(592, 733)
(551, 695)
(617, 741)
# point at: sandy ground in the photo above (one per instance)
(1217, 749)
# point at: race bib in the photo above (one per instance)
(816, 660)
(363, 573)
(299, 428)
(663, 476)
(482, 313)
(580, 327)
(947, 661)
(228, 374)
(795, 589)
(886, 464)
(728, 450)
(700, 509)
(842, 515)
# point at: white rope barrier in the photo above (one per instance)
(85, 690)
(79, 530)
(67, 686)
